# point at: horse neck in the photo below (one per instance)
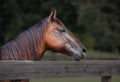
(29, 45)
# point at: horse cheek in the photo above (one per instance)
(55, 42)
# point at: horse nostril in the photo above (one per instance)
(84, 50)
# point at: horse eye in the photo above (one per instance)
(61, 30)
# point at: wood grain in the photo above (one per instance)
(58, 69)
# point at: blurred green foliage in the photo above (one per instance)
(96, 23)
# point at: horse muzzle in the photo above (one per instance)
(80, 55)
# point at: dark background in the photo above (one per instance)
(95, 22)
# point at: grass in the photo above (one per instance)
(84, 79)
(97, 55)
(91, 55)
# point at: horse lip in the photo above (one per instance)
(77, 57)
(83, 55)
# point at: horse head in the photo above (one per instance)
(59, 39)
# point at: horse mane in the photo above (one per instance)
(25, 44)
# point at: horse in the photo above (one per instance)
(48, 34)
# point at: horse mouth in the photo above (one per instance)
(78, 57)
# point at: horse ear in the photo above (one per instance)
(52, 15)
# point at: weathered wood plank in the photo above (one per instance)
(53, 69)
(106, 79)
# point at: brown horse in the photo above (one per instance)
(49, 34)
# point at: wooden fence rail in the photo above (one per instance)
(55, 69)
